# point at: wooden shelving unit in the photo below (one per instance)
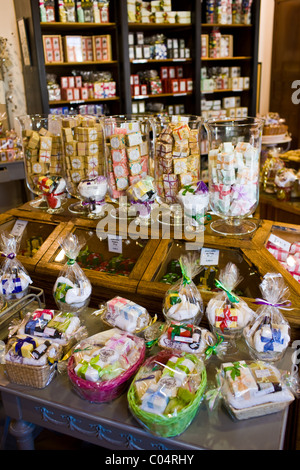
(121, 67)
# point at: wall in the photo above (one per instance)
(265, 52)
(9, 30)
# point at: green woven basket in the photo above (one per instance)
(160, 425)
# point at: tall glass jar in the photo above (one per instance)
(234, 164)
(42, 149)
(127, 153)
(177, 163)
(84, 164)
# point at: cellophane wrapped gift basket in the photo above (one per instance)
(166, 393)
(72, 289)
(251, 388)
(101, 365)
(183, 301)
(127, 315)
(14, 279)
(268, 333)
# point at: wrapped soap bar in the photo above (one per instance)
(14, 279)
(183, 301)
(195, 201)
(23, 349)
(72, 289)
(226, 312)
(93, 192)
(126, 315)
(143, 194)
(166, 392)
(268, 334)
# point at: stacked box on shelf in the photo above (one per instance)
(53, 51)
(83, 147)
(156, 11)
(228, 11)
(9, 150)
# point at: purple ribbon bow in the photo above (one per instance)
(201, 187)
(282, 305)
(10, 256)
(147, 204)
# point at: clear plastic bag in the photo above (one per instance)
(72, 289)
(183, 301)
(126, 315)
(226, 312)
(187, 338)
(250, 389)
(47, 324)
(166, 392)
(101, 365)
(268, 334)
(143, 194)
(14, 279)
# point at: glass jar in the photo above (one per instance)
(127, 154)
(42, 149)
(177, 161)
(84, 164)
(234, 146)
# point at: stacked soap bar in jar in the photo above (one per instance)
(127, 149)
(83, 148)
(177, 159)
(43, 153)
(234, 179)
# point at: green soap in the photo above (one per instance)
(174, 405)
(185, 395)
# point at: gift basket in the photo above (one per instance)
(187, 338)
(250, 389)
(101, 365)
(31, 360)
(72, 289)
(268, 333)
(227, 314)
(166, 392)
(126, 315)
(62, 328)
(14, 278)
(183, 301)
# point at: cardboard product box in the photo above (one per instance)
(67, 94)
(53, 50)
(73, 48)
(87, 49)
(204, 45)
(226, 45)
(102, 46)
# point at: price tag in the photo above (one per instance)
(279, 242)
(115, 243)
(18, 228)
(209, 257)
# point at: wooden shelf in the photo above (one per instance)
(58, 25)
(151, 61)
(158, 25)
(226, 58)
(161, 95)
(63, 64)
(227, 90)
(218, 25)
(90, 100)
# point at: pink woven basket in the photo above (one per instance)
(99, 392)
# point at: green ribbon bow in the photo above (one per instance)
(71, 261)
(235, 370)
(232, 297)
(172, 366)
(214, 348)
(188, 189)
(186, 280)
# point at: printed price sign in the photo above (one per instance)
(209, 257)
(18, 228)
(115, 244)
(279, 242)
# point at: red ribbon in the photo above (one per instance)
(218, 188)
(226, 318)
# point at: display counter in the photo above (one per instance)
(272, 208)
(36, 234)
(110, 425)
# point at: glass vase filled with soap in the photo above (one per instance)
(44, 170)
(234, 166)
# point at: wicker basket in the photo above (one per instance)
(166, 426)
(31, 375)
(257, 410)
(99, 392)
